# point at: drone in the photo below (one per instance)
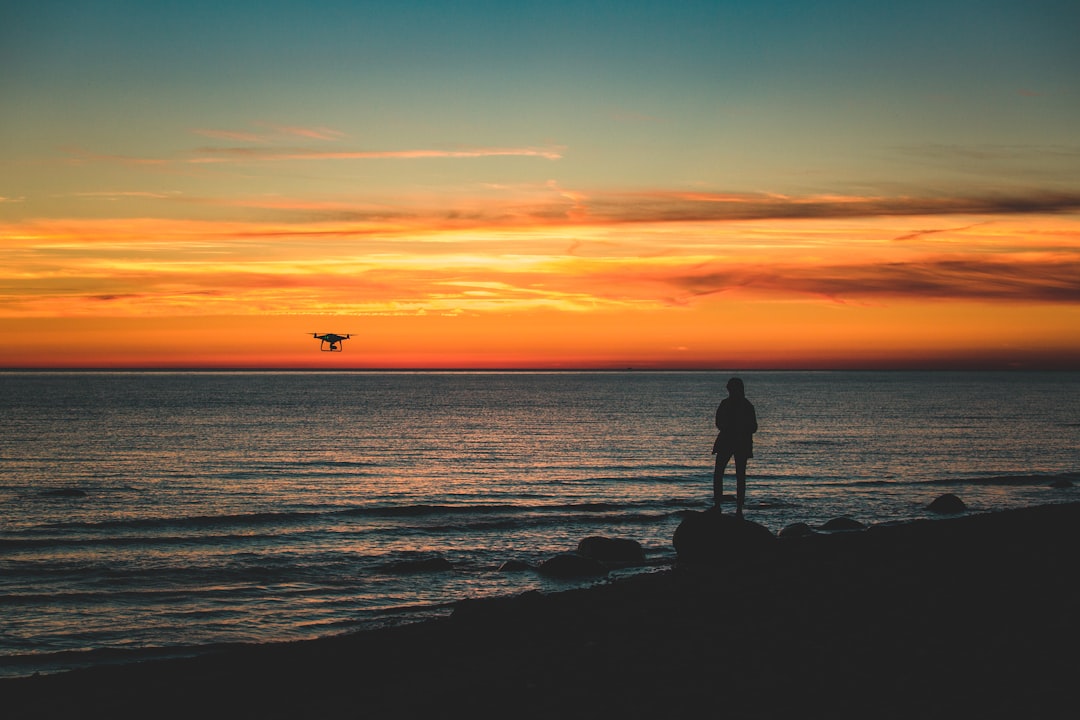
(330, 342)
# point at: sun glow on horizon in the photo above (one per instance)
(766, 292)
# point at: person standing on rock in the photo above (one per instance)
(736, 422)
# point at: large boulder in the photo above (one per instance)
(947, 504)
(571, 565)
(616, 551)
(713, 537)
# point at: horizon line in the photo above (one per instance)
(540, 369)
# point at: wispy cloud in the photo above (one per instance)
(265, 154)
(270, 147)
(1054, 280)
(703, 207)
(553, 205)
(314, 133)
(935, 231)
(262, 153)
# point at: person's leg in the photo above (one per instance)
(740, 484)
(722, 459)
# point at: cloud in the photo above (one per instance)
(705, 207)
(264, 154)
(554, 205)
(923, 233)
(1054, 280)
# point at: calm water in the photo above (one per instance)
(248, 507)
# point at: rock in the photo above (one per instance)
(1061, 483)
(571, 565)
(713, 537)
(947, 504)
(799, 529)
(842, 524)
(612, 550)
(515, 566)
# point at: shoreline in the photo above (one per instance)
(930, 618)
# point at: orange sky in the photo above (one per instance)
(557, 289)
(693, 184)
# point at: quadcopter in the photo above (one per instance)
(330, 342)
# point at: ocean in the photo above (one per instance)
(155, 514)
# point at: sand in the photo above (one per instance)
(973, 616)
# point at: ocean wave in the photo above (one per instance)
(269, 529)
(82, 541)
(1008, 480)
(1033, 480)
(522, 523)
(415, 566)
(186, 521)
(293, 517)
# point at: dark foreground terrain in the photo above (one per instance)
(967, 617)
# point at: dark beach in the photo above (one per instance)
(972, 616)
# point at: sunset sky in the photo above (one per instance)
(802, 184)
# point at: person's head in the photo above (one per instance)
(735, 387)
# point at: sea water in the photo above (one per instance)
(162, 513)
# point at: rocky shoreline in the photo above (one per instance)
(968, 616)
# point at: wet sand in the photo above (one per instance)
(975, 616)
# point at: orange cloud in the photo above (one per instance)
(542, 275)
(272, 133)
(703, 207)
(1031, 280)
(85, 267)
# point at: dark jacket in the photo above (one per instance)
(737, 423)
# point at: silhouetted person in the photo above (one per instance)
(737, 423)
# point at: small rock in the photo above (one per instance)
(515, 566)
(947, 504)
(571, 565)
(612, 550)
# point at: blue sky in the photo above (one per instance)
(768, 96)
